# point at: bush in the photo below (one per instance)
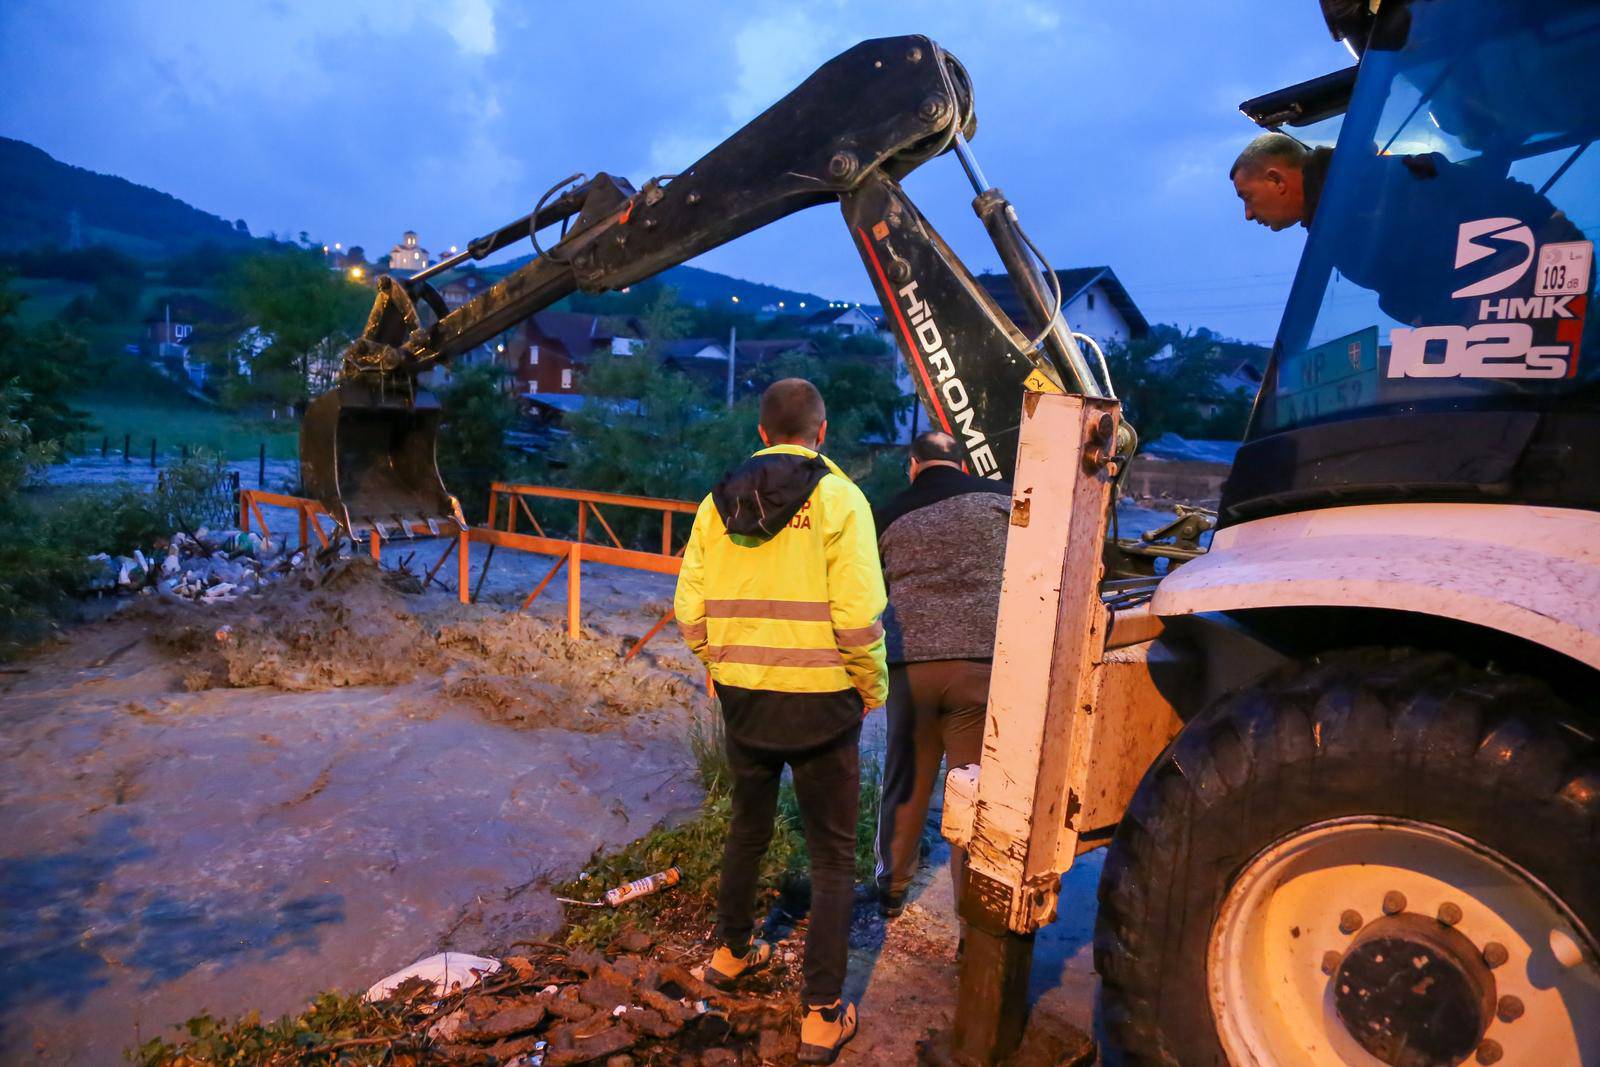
(476, 414)
(44, 549)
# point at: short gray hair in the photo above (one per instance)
(1267, 149)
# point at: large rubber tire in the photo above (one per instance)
(1364, 732)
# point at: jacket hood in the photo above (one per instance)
(760, 496)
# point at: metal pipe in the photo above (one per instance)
(969, 163)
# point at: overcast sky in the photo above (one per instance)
(1109, 125)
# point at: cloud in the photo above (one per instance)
(772, 55)
(470, 24)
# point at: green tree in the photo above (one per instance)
(1167, 383)
(43, 366)
(476, 414)
(305, 313)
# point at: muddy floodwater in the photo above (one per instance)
(230, 808)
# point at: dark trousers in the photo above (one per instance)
(936, 711)
(827, 783)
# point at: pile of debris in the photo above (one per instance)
(556, 1007)
(209, 567)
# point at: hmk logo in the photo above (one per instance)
(1469, 250)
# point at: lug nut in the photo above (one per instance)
(692, 199)
(1449, 914)
(1330, 962)
(933, 108)
(1509, 1009)
(1494, 954)
(1394, 902)
(914, 55)
(1350, 921)
(1490, 1051)
(841, 166)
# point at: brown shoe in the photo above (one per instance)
(826, 1030)
(725, 967)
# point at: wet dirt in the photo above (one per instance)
(354, 778)
(351, 779)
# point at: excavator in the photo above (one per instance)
(1344, 758)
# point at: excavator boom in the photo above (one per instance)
(847, 134)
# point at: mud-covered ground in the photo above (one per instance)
(231, 808)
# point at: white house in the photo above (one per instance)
(1092, 298)
(847, 321)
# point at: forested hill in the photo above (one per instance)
(39, 194)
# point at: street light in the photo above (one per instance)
(356, 274)
(735, 299)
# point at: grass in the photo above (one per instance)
(174, 424)
(47, 297)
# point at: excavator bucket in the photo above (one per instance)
(367, 455)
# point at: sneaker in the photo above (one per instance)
(725, 967)
(890, 905)
(826, 1030)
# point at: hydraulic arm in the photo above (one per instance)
(848, 134)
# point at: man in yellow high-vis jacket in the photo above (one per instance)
(781, 595)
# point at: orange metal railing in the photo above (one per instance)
(507, 501)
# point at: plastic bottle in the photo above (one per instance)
(643, 887)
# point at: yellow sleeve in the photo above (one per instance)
(856, 596)
(689, 602)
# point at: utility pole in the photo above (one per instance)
(733, 338)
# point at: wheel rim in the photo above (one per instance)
(1302, 958)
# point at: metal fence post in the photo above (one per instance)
(127, 448)
(261, 469)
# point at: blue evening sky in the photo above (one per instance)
(1109, 125)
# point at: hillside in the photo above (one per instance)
(42, 193)
(707, 288)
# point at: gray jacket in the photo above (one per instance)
(943, 545)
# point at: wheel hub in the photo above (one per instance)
(1413, 992)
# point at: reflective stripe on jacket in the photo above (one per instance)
(798, 612)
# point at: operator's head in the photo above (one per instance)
(1269, 177)
(934, 449)
(792, 414)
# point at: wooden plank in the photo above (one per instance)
(622, 499)
(529, 512)
(521, 542)
(316, 524)
(666, 533)
(265, 532)
(574, 589)
(464, 567)
(633, 558)
(606, 525)
(561, 562)
(448, 548)
(634, 651)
